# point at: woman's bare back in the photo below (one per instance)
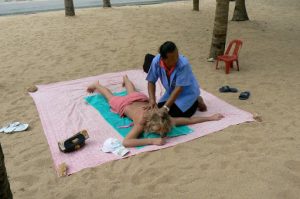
(135, 111)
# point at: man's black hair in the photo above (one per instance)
(167, 47)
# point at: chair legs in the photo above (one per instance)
(228, 65)
(237, 65)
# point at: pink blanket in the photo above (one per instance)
(63, 112)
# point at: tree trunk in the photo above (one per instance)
(220, 29)
(196, 5)
(240, 12)
(69, 8)
(5, 191)
(106, 4)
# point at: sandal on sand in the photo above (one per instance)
(244, 95)
(210, 59)
(14, 127)
(227, 89)
(32, 89)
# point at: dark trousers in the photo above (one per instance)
(176, 112)
(174, 109)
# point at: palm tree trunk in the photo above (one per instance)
(220, 29)
(5, 191)
(240, 12)
(69, 8)
(106, 4)
(196, 5)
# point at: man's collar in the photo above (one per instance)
(168, 70)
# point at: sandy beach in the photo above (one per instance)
(252, 160)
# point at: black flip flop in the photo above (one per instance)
(73, 143)
(228, 89)
(244, 95)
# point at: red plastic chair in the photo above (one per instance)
(229, 59)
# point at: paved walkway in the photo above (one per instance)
(27, 7)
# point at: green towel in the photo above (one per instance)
(101, 105)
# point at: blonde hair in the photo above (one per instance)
(157, 121)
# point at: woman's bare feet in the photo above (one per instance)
(91, 88)
(125, 79)
(128, 84)
(201, 105)
(216, 117)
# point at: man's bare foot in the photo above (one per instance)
(201, 105)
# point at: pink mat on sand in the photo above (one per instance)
(63, 112)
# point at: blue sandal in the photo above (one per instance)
(244, 95)
(227, 89)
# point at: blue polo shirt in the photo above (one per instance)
(181, 76)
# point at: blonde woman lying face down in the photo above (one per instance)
(135, 106)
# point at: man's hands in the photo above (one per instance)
(152, 104)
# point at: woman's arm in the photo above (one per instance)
(131, 140)
(152, 78)
(178, 121)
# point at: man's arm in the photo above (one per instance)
(151, 92)
(152, 78)
(182, 79)
(175, 93)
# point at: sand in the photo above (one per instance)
(256, 160)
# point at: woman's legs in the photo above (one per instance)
(104, 91)
(101, 89)
(128, 85)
